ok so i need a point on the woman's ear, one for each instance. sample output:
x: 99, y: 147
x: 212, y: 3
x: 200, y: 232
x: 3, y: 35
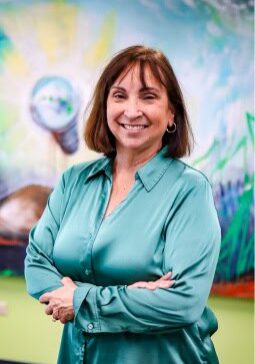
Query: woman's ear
x: 170, y: 117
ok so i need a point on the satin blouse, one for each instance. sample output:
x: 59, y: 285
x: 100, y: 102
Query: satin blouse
x: 167, y: 222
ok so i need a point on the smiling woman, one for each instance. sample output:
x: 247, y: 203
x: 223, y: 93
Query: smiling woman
x: 139, y: 79
x: 125, y: 252
x: 138, y: 115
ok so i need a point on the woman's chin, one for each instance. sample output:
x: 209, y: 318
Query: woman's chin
x: 136, y: 145
x: 132, y: 147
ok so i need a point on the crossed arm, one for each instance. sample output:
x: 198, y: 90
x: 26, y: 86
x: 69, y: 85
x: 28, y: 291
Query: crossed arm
x: 143, y: 306
x: 60, y: 301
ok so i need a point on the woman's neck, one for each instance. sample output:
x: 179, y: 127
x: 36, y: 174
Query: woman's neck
x: 132, y: 160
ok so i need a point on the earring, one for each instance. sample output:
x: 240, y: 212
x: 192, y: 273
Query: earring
x: 169, y: 131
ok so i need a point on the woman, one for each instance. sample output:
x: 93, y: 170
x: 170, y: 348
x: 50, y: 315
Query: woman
x: 116, y: 229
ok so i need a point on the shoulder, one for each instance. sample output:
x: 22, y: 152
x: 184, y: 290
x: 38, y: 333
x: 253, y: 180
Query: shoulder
x: 82, y: 170
x: 192, y: 191
x: 190, y: 175
x: 189, y: 179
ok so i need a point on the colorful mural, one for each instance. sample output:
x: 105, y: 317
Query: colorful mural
x: 51, y: 53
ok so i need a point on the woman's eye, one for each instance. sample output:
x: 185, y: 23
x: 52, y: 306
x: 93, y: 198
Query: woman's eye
x: 118, y: 95
x: 149, y: 96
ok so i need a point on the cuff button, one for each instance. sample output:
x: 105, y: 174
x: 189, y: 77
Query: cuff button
x: 90, y: 326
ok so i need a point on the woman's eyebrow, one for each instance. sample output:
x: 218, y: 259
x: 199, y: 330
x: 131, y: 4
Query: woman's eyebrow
x: 142, y: 89
x: 147, y: 88
x: 118, y: 88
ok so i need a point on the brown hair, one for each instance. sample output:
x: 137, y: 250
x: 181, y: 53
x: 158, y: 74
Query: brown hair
x: 97, y: 134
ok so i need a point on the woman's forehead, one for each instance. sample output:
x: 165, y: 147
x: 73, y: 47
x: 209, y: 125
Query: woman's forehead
x: 135, y: 71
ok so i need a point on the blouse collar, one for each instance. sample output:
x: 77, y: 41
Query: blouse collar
x: 149, y: 174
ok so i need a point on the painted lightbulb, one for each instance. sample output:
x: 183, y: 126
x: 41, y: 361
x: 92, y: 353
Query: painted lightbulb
x: 55, y: 107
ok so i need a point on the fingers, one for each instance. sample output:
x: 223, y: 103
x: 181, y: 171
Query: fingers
x: 49, y: 296
x: 152, y: 286
x: 163, y: 282
x: 51, y: 307
x: 166, y: 284
x: 57, y: 301
x: 67, y: 281
x: 159, y: 284
x: 65, y: 318
x: 166, y: 276
x: 60, y: 314
x: 65, y: 315
x: 45, y: 298
x: 140, y: 284
x: 55, y: 314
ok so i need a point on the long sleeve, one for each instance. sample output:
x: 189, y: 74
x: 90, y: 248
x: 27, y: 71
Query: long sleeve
x: 192, y: 243
x: 40, y: 272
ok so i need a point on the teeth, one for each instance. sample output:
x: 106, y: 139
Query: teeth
x: 133, y: 127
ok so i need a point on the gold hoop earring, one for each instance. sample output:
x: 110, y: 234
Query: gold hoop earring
x: 169, y: 131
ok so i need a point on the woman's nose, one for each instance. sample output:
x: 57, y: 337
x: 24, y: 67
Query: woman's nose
x: 132, y: 109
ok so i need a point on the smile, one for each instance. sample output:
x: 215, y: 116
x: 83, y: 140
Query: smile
x: 133, y: 127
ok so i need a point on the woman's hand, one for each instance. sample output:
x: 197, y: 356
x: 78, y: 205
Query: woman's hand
x: 163, y: 282
x: 60, y: 301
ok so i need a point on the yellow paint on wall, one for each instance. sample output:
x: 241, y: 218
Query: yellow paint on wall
x: 15, y: 63
x: 55, y: 29
x: 101, y: 47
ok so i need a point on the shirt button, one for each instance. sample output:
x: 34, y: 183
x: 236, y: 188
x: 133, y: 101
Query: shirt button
x: 90, y: 326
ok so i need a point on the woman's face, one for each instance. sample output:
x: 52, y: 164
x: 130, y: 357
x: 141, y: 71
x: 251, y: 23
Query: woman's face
x: 138, y: 116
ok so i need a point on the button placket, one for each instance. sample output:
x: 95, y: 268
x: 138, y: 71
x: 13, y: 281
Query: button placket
x: 92, y: 237
x: 87, y: 267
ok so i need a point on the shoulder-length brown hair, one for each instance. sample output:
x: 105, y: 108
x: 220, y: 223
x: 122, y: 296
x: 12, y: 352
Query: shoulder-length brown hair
x: 97, y: 134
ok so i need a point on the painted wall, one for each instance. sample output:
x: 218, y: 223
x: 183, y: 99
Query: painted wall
x: 51, y: 53
x: 26, y: 334
x: 210, y: 44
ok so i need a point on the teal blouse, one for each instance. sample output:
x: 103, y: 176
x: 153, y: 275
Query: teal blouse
x: 167, y: 222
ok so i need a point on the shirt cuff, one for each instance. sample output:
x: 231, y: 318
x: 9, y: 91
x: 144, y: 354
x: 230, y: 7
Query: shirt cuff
x: 85, y: 310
